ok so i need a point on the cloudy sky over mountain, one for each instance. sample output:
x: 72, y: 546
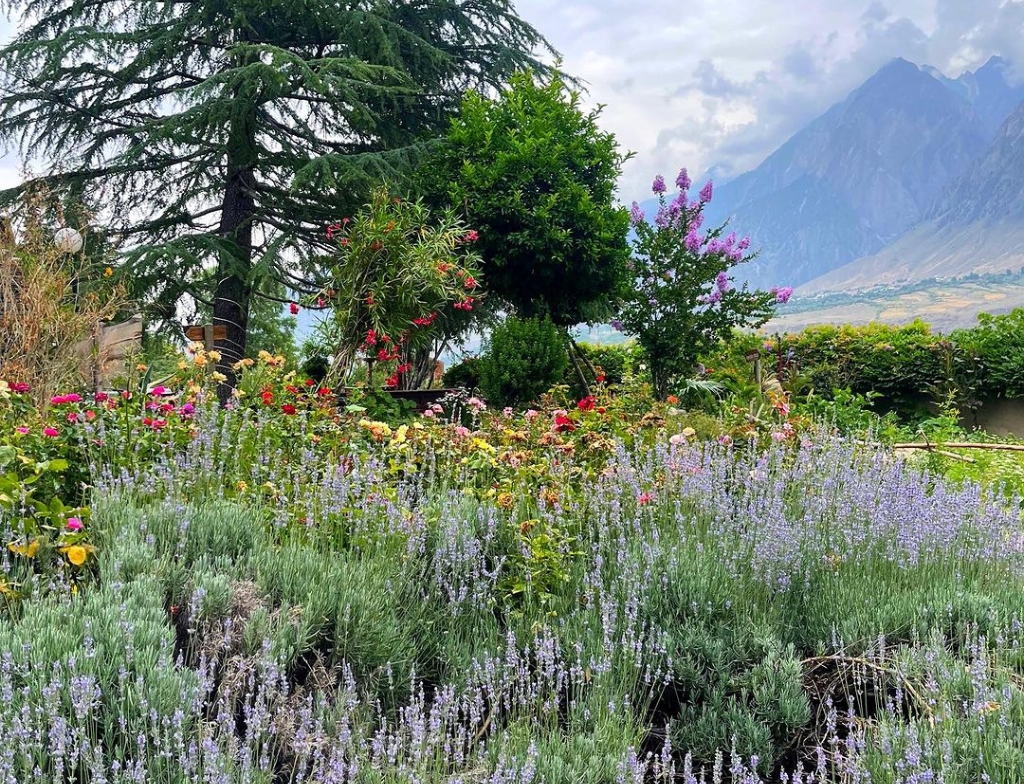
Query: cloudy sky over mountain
x: 723, y: 82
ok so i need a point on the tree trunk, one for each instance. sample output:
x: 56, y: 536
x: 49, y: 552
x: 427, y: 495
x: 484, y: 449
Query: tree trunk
x: 234, y: 285
x: 231, y: 299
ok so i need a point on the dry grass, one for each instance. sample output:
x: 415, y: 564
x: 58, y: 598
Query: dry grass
x: 45, y: 329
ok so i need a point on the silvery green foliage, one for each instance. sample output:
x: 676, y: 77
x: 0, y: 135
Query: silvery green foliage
x: 827, y: 610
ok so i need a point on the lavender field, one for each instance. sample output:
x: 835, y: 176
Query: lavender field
x: 385, y: 612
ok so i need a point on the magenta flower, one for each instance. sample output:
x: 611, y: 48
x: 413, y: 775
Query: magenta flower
x: 783, y: 294
x: 693, y: 240
x: 50, y: 432
x: 22, y: 430
x: 74, y: 524
x: 683, y: 180
x: 659, y: 184
x: 636, y: 215
x: 158, y: 391
x: 722, y: 281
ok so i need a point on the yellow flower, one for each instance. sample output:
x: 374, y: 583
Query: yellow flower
x: 196, y: 347
x: 400, y: 434
x: 218, y: 377
x: 28, y: 550
x: 183, y: 365
x: 505, y: 500
x: 200, y: 360
x: 76, y: 554
x: 483, y: 446
x: 108, y: 272
x: 141, y: 367
x: 241, y: 486
x: 689, y: 432
x: 214, y: 355
x: 264, y: 356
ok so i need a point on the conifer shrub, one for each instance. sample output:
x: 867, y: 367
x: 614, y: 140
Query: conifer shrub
x: 524, y: 358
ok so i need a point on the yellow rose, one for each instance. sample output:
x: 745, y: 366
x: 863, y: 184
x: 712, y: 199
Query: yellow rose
x: 76, y: 554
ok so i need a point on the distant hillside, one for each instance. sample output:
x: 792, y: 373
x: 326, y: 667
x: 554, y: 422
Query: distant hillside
x: 866, y: 171
x: 975, y: 225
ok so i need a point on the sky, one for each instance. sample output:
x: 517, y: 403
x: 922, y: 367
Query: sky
x: 719, y: 84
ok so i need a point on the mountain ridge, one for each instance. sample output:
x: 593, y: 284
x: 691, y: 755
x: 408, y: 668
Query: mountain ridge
x: 866, y: 171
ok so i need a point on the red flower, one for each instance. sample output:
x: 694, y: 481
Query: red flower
x: 324, y: 391
x: 291, y: 389
x: 600, y: 377
x: 587, y: 403
x: 644, y: 499
x: 470, y: 282
x: 267, y: 396
x: 310, y: 382
x: 470, y: 236
x: 563, y: 424
x: 288, y: 408
x: 293, y: 308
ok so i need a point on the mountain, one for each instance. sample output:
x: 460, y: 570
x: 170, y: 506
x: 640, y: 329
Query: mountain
x: 976, y: 225
x: 864, y: 172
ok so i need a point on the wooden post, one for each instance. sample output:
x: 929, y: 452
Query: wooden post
x: 208, y: 337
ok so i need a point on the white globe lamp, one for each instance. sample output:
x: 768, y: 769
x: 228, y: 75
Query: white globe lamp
x: 68, y: 240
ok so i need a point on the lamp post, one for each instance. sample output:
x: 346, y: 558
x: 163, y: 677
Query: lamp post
x: 69, y: 242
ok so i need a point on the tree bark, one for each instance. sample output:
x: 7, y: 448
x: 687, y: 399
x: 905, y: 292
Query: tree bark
x: 234, y: 286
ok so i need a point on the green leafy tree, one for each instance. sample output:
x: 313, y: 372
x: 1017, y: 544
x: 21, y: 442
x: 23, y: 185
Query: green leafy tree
x: 684, y: 301
x: 535, y: 175
x: 223, y: 136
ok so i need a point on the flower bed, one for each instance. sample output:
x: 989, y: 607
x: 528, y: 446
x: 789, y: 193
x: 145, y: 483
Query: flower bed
x: 291, y: 591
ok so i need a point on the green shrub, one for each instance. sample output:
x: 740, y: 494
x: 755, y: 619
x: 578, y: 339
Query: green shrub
x: 465, y: 374
x: 524, y: 358
x: 992, y: 354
